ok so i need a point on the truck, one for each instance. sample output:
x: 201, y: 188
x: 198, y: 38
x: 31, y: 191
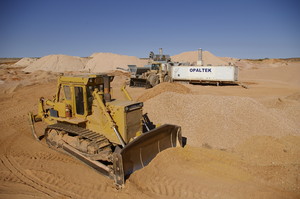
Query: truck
x: 155, y: 72
x: 150, y: 75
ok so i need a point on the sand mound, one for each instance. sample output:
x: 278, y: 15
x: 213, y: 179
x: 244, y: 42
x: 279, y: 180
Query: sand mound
x: 260, y: 63
x: 204, y: 173
x: 17, y: 80
x: 218, y: 121
x: 57, y: 63
x: 229, y: 59
x: 295, y: 96
x: 287, y: 74
x: 192, y: 57
x: 26, y: 61
x: 266, y: 150
x: 161, y: 88
x: 103, y: 62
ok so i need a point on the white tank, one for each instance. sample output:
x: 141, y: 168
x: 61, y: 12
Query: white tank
x: 205, y: 73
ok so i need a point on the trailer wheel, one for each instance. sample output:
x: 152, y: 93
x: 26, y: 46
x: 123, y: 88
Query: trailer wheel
x: 167, y: 78
x: 131, y: 83
x: 153, y: 79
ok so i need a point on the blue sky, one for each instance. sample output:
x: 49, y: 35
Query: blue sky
x: 232, y: 28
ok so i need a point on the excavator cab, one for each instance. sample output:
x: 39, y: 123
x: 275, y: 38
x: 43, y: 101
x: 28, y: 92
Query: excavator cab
x: 113, y: 136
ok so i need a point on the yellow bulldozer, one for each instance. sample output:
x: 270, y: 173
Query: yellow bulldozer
x: 112, y: 136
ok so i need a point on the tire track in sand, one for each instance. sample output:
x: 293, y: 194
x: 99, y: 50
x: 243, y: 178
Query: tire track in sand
x: 29, y: 168
x: 29, y: 179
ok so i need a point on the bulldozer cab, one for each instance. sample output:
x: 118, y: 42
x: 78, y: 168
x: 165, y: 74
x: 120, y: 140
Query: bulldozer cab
x: 67, y: 97
x: 74, y: 94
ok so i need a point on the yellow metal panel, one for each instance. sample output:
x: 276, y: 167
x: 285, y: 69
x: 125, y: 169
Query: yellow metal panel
x: 134, y: 123
x: 129, y: 123
x: 98, y: 122
x: 61, y: 108
x: 64, y: 79
x: 70, y: 120
x: 118, y: 115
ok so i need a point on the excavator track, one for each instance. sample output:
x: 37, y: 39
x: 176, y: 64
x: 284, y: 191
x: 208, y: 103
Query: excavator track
x: 93, y: 160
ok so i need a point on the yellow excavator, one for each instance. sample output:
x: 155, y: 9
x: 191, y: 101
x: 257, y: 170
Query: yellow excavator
x: 110, y: 135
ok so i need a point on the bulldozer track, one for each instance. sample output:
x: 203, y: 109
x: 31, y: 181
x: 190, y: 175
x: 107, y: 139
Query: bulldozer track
x: 104, y: 152
x: 94, y: 138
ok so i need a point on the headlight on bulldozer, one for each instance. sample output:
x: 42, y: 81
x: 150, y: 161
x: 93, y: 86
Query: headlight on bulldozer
x: 134, y: 107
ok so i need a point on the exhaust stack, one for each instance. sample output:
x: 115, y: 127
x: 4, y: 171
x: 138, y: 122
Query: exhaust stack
x: 160, y: 51
x: 106, y: 81
x: 199, y: 62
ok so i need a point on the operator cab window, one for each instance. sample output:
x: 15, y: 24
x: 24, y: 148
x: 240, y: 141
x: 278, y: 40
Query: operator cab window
x: 90, y: 98
x: 64, y: 93
x: 79, y: 100
x: 155, y: 67
x: 67, y: 92
x: 61, y: 96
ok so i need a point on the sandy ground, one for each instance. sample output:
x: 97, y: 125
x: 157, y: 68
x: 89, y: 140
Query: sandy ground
x: 241, y: 143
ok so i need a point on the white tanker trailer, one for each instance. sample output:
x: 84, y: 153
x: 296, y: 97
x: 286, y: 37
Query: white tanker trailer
x: 205, y: 74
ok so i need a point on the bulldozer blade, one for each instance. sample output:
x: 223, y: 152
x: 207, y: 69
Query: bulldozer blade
x: 138, y: 153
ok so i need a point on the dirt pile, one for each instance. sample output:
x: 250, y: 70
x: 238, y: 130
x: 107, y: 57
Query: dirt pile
x: 261, y: 63
x: 192, y: 57
x: 287, y: 74
x: 218, y: 121
x: 24, y: 62
x: 103, y: 62
x: 57, y: 63
x: 229, y: 59
x: 14, y: 78
x: 267, y: 62
x: 284, y: 150
x: 161, y: 88
x: 223, y: 175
